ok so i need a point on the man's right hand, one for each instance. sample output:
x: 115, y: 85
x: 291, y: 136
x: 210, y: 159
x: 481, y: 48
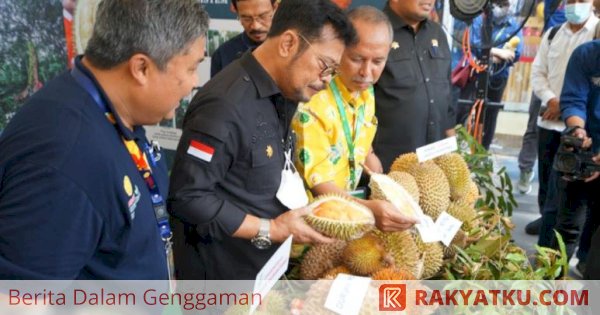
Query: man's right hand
x: 292, y: 223
x: 387, y: 217
x: 553, y: 110
x: 582, y: 134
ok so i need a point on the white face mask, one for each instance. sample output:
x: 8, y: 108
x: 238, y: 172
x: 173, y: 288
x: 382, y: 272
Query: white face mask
x: 578, y: 13
x: 291, y: 192
x: 499, y: 12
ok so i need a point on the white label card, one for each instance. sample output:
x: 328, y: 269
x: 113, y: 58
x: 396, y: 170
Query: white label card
x: 347, y: 294
x: 427, y: 229
x: 447, y: 226
x: 439, y: 148
x: 272, y: 271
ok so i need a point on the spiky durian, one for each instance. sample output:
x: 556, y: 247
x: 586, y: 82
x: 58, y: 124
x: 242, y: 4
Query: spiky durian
x: 393, y: 274
x: 339, y: 217
x: 465, y: 213
x: 365, y: 255
x: 321, y: 258
x: 402, y: 248
x: 432, y: 256
x: 433, y: 188
x: 404, y: 162
x: 457, y: 172
x: 408, y: 182
x: 332, y: 273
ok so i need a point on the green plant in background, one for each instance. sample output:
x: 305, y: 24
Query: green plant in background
x: 495, y: 185
x: 492, y: 255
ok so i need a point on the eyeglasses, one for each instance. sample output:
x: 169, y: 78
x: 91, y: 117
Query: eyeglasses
x: 330, y: 69
x: 263, y: 19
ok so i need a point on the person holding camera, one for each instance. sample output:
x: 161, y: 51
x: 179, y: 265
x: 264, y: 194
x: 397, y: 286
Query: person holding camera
x: 580, y: 109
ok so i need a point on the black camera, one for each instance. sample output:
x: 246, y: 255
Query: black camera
x: 572, y: 160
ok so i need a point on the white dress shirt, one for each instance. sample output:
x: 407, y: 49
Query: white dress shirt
x: 550, y: 63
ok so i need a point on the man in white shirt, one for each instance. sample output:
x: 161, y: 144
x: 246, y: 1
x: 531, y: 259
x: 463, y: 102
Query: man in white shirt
x: 547, y: 76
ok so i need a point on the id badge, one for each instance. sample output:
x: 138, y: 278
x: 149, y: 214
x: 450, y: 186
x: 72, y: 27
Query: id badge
x: 360, y: 193
x: 291, y: 192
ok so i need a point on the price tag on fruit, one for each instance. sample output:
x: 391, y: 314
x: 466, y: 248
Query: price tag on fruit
x: 272, y: 271
x: 347, y: 294
x: 436, y: 149
x: 447, y: 227
x: 427, y: 229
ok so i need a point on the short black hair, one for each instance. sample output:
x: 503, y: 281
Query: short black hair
x: 308, y: 17
x: 234, y: 2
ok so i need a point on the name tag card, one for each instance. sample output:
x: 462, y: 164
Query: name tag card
x: 447, y: 227
x: 347, y: 294
x: 439, y: 148
x: 272, y: 271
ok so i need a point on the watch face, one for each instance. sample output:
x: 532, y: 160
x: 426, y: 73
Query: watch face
x: 261, y: 242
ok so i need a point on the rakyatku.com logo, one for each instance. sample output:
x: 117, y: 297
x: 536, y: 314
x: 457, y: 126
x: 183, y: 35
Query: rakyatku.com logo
x: 392, y: 297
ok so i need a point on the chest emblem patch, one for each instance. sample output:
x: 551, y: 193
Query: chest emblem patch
x: 269, y: 151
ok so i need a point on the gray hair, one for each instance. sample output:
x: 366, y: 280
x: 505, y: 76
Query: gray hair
x: 160, y: 29
x: 371, y: 15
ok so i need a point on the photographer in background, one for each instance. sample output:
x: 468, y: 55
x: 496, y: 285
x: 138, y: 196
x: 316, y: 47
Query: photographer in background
x: 580, y: 109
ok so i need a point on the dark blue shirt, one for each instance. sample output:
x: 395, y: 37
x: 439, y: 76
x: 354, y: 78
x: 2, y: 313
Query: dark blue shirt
x: 72, y: 202
x: 580, y: 94
x: 501, y: 33
x: 230, y: 51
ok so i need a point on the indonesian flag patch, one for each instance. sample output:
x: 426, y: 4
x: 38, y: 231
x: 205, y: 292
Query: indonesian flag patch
x: 201, y: 150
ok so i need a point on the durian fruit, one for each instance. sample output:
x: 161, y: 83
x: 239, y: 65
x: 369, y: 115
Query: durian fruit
x: 393, y: 274
x: 408, y: 182
x: 402, y: 248
x: 314, y: 303
x: 472, y: 195
x: 385, y: 188
x: 433, y: 187
x: 432, y: 256
x: 459, y: 240
x: 339, y: 217
x: 457, y: 172
x: 320, y: 258
x: 365, y: 255
x: 465, y: 213
x: 332, y: 273
x: 274, y: 303
x: 404, y: 162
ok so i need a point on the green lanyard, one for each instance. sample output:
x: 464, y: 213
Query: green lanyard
x: 346, y: 125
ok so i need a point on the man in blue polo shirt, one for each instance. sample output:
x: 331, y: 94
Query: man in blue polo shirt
x: 255, y: 17
x: 81, y: 189
x: 580, y: 109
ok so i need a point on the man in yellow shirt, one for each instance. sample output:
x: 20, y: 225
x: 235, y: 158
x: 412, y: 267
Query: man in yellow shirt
x: 335, y: 129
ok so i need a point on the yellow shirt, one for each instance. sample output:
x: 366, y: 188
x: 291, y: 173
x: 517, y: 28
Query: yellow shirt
x: 322, y: 153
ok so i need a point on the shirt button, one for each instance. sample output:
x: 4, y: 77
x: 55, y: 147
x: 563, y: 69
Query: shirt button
x: 431, y: 123
x: 246, y: 78
x: 426, y: 79
x: 421, y: 58
x: 431, y: 101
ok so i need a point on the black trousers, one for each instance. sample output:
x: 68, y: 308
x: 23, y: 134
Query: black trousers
x: 495, y: 90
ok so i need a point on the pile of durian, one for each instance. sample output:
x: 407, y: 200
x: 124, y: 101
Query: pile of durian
x: 432, y: 187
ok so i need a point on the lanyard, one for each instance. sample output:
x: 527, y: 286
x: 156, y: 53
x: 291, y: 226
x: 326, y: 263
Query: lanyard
x: 139, y: 157
x: 346, y: 126
x: 497, y: 37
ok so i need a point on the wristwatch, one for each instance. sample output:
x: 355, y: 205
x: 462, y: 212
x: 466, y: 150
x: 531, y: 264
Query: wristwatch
x: 262, y: 240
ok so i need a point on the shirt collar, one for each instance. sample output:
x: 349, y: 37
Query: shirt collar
x: 138, y: 131
x: 398, y: 22
x: 250, y: 44
x: 263, y: 82
x: 351, y: 98
x: 590, y: 25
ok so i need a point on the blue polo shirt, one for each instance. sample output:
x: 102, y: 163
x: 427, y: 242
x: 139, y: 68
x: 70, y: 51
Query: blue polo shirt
x: 229, y: 51
x: 72, y: 203
x: 580, y: 94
